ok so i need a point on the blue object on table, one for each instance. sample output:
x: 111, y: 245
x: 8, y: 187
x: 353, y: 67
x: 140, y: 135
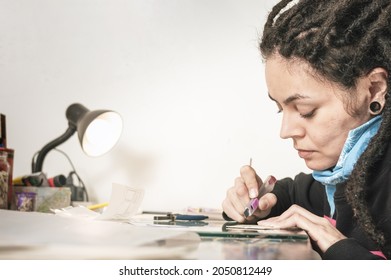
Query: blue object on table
x: 181, y: 217
x: 190, y: 217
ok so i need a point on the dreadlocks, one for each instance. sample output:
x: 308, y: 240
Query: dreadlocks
x: 342, y: 40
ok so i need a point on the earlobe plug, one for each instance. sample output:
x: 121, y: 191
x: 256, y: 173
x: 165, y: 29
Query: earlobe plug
x: 375, y: 107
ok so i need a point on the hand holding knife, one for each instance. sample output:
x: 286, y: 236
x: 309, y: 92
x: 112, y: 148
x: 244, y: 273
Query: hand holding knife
x: 266, y: 187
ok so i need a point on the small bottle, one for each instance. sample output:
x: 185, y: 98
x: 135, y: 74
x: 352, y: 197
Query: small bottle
x: 4, y: 176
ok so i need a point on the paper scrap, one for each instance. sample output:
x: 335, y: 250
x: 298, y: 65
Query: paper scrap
x: 124, y: 203
x: 76, y: 212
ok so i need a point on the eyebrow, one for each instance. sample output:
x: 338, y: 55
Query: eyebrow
x: 291, y: 98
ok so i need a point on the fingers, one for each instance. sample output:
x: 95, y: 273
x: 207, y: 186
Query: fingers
x: 251, y: 180
x: 240, y: 188
x: 265, y: 205
x: 238, y: 197
x: 236, y: 200
x: 294, y: 216
x: 295, y: 211
x: 267, y: 201
x: 229, y: 209
x: 318, y: 228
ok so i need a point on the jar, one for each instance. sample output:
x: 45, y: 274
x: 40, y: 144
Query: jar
x: 4, y: 177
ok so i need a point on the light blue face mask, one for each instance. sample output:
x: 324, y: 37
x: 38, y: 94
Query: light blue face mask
x: 355, y: 144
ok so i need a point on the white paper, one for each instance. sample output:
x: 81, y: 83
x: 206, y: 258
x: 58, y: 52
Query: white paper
x: 124, y: 203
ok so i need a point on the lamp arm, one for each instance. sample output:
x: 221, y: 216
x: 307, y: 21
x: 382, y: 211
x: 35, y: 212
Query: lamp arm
x: 37, y: 165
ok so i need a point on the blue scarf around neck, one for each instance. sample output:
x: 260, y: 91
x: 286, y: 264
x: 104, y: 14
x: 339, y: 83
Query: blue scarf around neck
x: 355, y: 144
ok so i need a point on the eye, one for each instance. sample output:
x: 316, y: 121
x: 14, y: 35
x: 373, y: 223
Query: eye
x: 309, y: 114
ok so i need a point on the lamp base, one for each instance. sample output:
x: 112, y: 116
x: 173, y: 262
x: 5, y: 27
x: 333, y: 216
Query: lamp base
x: 77, y: 193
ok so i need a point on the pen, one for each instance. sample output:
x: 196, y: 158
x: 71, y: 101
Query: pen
x: 266, y: 187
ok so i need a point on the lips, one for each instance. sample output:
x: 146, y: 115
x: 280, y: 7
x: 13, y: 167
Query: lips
x: 305, y: 154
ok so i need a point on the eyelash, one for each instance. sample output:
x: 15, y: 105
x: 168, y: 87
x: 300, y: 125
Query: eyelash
x: 308, y: 115
x: 304, y: 116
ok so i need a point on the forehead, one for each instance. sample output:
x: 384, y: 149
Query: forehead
x: 294, y: 77
x: 276, y: 64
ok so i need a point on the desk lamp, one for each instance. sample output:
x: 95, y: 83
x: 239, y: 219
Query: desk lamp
x: 98, y: 132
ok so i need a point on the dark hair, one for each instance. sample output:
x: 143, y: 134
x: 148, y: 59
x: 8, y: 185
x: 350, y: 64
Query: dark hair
x: 341, y: 40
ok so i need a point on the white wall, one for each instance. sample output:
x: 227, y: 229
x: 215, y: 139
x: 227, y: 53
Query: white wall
x: 185, y: 75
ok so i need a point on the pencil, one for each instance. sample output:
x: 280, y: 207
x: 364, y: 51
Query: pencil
x: 98, y: 206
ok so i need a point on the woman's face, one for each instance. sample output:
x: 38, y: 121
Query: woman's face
x: 313, y: 114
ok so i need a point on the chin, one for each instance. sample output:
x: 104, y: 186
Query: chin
x: 317, y: 166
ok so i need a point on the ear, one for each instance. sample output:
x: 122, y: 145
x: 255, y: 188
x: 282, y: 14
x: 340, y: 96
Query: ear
x: 378, y: 86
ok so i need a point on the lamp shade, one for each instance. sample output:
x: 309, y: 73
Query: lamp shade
x: 98, y: 131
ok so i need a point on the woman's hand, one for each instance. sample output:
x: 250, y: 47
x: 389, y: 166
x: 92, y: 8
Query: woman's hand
x: 246, y: 187
x: 319, y: 229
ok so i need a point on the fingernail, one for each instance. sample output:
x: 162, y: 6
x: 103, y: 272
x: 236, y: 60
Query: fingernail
x: 265, y: 223
x: 253, y: 193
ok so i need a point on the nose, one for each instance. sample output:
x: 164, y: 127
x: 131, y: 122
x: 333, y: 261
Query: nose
x: 291, y: 127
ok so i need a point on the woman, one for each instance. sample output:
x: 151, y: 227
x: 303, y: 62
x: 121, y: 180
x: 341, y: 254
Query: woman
x: 327, y: 66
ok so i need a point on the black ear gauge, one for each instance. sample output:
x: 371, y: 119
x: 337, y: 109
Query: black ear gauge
x: 375, y: 107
